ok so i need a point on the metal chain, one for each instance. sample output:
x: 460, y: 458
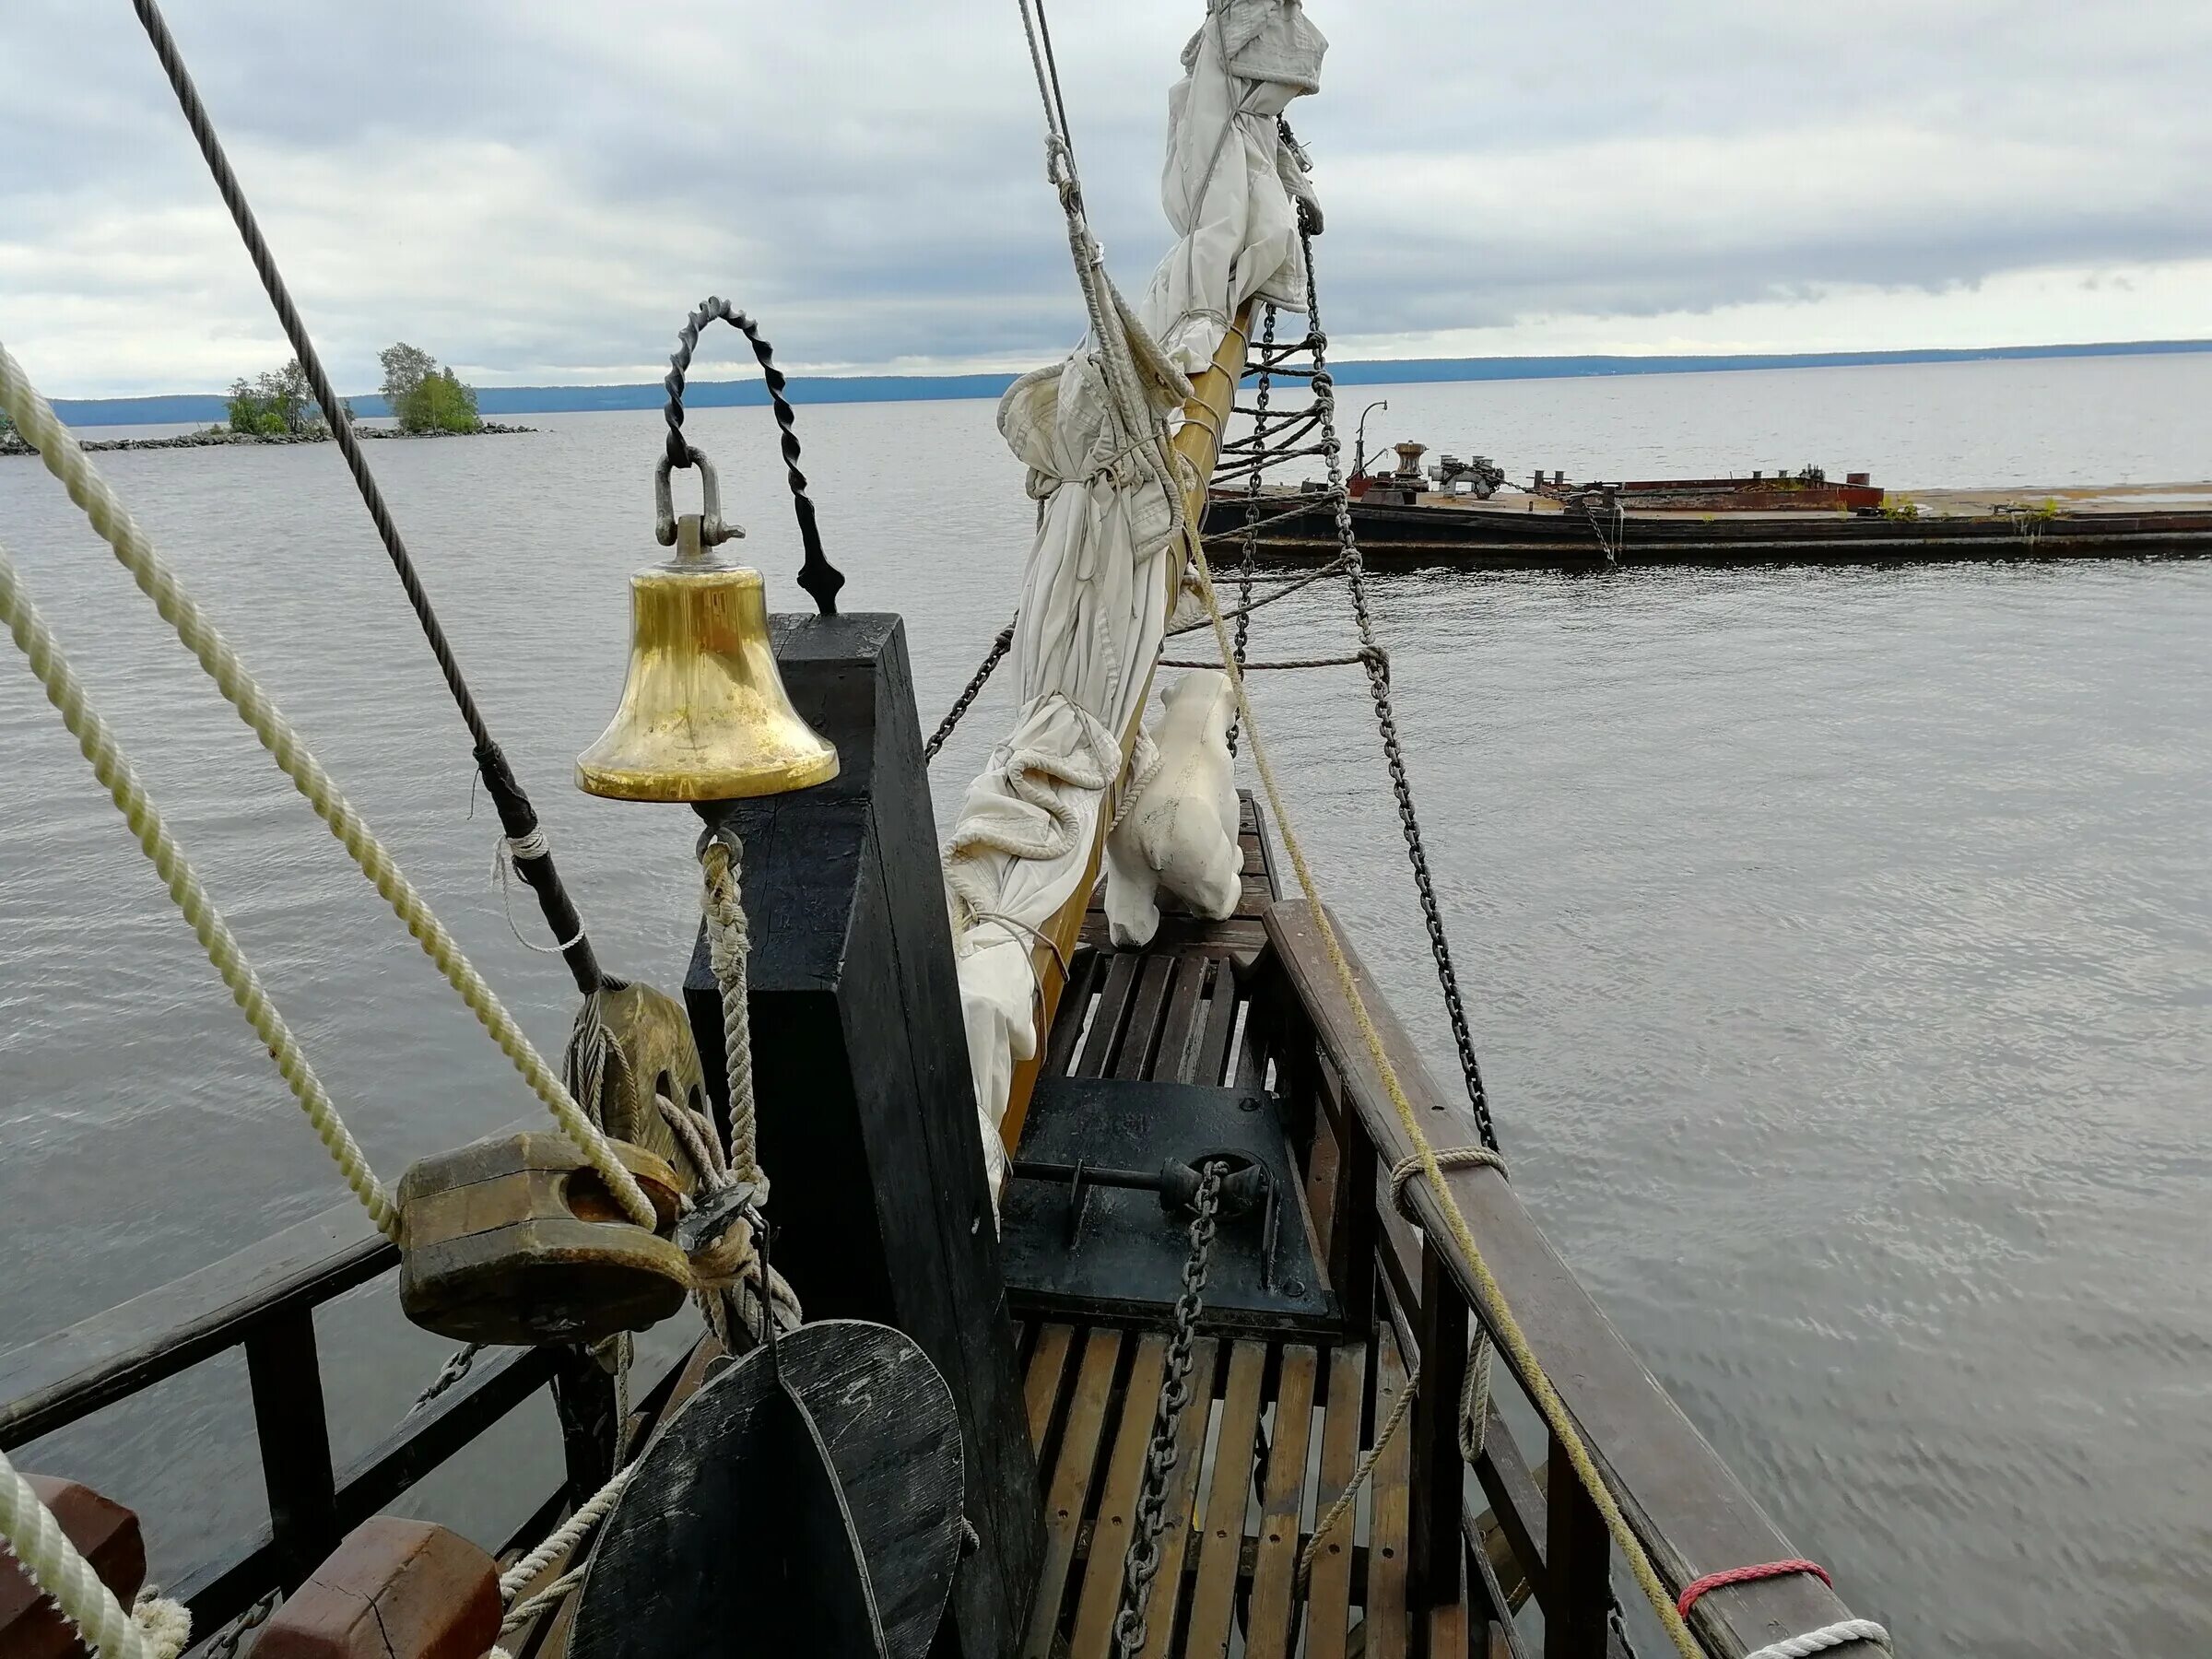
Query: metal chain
x: 999, y: 647
x: 1143, y: 1564
x: 1378, y: 681
x: 817, y: 575
x: 224, y: 1644
x: 1252, y: 498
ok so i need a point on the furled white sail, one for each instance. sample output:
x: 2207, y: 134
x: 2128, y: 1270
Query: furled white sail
x: 1092, y: 431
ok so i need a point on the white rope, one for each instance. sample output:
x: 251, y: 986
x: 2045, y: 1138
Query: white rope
x: 522, y: 1612
x: 62, y: 456
x: 505, y: 854
x: 564, y: 1538
x: 97, y: 744
x: 164, y: 1624
x: 1841, y: 1634
x: 30, y: 1531
x: 728, y: 944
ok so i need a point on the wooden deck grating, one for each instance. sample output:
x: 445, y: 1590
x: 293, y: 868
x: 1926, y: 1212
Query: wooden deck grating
x: 1276, y: 1427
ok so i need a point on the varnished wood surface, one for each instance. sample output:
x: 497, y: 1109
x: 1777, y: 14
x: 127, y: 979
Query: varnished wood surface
x: 1276, y: 1427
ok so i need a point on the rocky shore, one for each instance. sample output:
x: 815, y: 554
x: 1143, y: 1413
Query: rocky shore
x: 215, y: 437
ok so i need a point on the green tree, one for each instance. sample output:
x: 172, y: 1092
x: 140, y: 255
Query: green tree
x: 406, y: 368
x: 274, y: 405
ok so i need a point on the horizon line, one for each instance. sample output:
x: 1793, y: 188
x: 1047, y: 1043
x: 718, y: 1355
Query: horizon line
x: 168, y: 408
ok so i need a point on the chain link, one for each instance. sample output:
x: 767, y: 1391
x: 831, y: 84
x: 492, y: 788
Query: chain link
x: 1378, y: 681
x: 1250, y: 546
x: 999, y: 647
x: 1151, y: 1518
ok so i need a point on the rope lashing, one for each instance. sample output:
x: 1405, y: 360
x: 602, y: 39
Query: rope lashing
x: 1350, y: 1495
x: 65, y: 459
x: 96, y: 743
x: 1354, y: 660
x: 1748, y: 1575
x: 54, y: 1564
x: 1403, y: 1173
x: 1843, y: 1633
x: 512, y: 852
x: 1497, y: 1310
x: 516, y: 813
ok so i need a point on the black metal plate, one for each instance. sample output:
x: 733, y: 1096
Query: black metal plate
x: 1128, y: 1258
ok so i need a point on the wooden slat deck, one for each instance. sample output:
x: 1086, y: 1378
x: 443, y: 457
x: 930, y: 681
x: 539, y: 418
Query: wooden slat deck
x: 1276, y: 1427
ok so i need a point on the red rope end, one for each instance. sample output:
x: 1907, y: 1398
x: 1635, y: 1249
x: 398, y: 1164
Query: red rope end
x: 1747, y: 1575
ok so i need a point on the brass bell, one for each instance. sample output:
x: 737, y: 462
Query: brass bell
x: 704, y: 715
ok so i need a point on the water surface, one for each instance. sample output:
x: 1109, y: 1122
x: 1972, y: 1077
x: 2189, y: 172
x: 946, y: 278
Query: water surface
x: 1839, y: 943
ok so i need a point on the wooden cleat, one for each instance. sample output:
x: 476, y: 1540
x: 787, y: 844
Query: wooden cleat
x: 105, y: 1533
x: 395, y: 1589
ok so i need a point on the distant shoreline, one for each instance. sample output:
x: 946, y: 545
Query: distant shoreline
x: 182, y: 407
x: 12, y: 445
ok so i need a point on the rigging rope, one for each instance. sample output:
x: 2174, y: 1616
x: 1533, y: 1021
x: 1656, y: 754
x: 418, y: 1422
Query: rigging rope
x: 65, y: 459
x: 55, y: 1565
x: 516, y: 813
x: 1494, y: 1310
x: 96, y: 742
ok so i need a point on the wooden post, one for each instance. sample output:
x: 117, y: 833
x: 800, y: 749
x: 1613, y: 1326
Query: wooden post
x: 1213, y: 393
x: 1439, y: 1474
x: 867, y: 1123
x: 1578, y: 1564
x: 286, y: 1380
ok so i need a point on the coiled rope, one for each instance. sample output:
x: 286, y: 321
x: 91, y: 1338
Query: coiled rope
x: 1496, y: 1312
x: 65, y: 459
x: 96, y: 743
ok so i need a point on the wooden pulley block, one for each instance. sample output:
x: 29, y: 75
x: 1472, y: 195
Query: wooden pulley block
x: 105, y: 1533
x: 806, y: 1500
x: 518, y: 1240
x: 395, y: 1589
x: 650, y: 1053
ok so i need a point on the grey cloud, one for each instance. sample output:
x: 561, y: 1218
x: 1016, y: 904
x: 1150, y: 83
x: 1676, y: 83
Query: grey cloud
x: 536, y: 190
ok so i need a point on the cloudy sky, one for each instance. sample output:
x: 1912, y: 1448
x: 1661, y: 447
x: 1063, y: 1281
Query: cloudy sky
x: 537, y: 190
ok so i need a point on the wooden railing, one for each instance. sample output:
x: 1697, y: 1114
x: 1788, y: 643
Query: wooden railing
x: 263, y: 1299
x: 1688, y: 1510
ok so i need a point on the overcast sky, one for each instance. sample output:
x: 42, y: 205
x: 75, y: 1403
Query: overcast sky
x: 538, y: 191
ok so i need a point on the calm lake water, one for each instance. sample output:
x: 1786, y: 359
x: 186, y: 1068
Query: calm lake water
x: 1838, y: 942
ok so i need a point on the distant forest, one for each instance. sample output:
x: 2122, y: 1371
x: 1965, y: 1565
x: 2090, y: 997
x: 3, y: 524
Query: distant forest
x: 184, y: 408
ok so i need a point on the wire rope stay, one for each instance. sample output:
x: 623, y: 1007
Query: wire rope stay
x: 518, y: 817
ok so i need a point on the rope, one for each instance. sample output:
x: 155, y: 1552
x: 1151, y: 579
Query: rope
x: 1350, y: 1495
x: 511, y: 850
x: 515, y: 810
x: 1747, y: 1575
x: 1497, y: 1312
x: 1841, y: 1634
x: 29, y: 1528
x: 164, y: 1623
x: 97, y: 745
x: 727, y: 945
x: 1447, y: 1158
x: 522, y: 1612
x: 62, y: 456
x: 1333, y: 568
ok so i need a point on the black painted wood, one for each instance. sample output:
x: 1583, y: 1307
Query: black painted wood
x: 808, y: 1501
x: 287, y: 1383
x: 1439, y: 1474
x: 868, y: 1128
x: 1578, y: 1570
